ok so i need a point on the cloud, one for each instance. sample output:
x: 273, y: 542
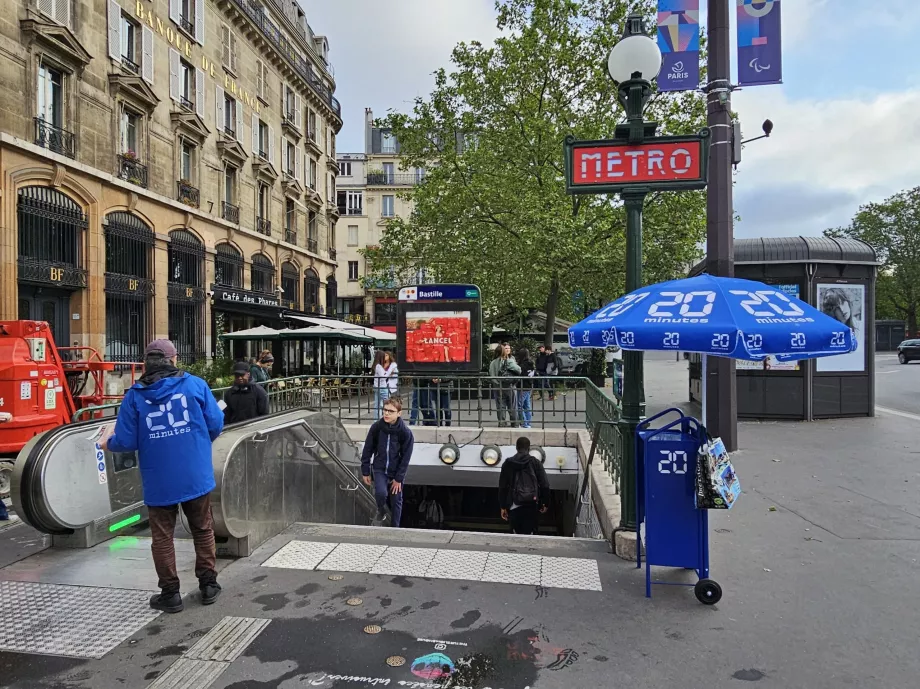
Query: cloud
x: 385, y: 54
x: 791, y: 210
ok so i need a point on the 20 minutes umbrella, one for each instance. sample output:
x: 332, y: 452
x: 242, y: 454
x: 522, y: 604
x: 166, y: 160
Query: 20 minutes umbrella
x: 730, y: 317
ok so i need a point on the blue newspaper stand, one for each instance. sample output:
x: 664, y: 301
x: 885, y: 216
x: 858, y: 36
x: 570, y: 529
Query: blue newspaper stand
x: 676, y: 532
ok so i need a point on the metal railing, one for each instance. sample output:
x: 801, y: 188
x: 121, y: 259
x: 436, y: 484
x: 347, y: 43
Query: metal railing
x: 131, y: 170
x: 187, y: 25
x: 264, y: 226
x: 333, y: 253
x: 230, y: 212
x: 395, y: 179
x: 601, y: 418
x: 311, y: 245
x: 188, y: 194
x: 186, y: 103
x: 129, y: 64
x: 54, y: 138
x: 230, y: 133
x: 290, y: 235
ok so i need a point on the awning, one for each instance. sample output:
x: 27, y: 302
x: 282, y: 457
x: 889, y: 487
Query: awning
x: 372, y: 333
x: 314, y: 332
x: 260, y: 332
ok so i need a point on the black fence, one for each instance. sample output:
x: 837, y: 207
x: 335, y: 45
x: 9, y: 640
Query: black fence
x: 54, y: 138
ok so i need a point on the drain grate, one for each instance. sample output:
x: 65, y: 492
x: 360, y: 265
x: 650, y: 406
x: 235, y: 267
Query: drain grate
x: 227, y: 639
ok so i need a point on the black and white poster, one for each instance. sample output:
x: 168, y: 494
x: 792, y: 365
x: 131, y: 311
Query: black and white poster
x: 846, y: 304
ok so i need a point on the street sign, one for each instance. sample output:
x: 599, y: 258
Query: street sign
x: 663, y: 163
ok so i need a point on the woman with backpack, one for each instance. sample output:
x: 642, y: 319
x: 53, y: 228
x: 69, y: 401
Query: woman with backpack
x: 523, y: 490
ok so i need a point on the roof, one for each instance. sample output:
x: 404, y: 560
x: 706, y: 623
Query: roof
x: 762, y: 250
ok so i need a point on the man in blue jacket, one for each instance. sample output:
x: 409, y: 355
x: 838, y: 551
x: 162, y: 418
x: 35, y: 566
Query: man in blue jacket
x: 171, y: 418
x: 389, y: 443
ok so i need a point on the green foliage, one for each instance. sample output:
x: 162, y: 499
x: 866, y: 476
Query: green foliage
x: 494, y: 211
x: 892, y: 227
x: 216, y: 373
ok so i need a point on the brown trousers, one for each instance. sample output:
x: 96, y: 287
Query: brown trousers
x: 162, y: 529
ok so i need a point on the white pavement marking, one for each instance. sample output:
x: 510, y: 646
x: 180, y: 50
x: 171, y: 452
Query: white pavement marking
x: 436, y: 563
x: 898, y: 412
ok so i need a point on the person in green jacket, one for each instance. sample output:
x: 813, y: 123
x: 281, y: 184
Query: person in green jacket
x: 503, y: 369
x: 260, y: 371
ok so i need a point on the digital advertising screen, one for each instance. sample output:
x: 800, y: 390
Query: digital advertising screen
x: 439, y: 329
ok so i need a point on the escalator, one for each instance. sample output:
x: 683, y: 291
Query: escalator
x: 270, y: 472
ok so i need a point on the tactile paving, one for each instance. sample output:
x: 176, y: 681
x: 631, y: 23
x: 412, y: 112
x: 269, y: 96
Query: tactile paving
x: 227, y: 639
x: 300, y: 555
x: 186, y: 673
x: 458, y: 564
x: 353, y: 557
x: 405, y: 562
x: 512, y: 568
x: 570, y: 573
x: 75, y: 621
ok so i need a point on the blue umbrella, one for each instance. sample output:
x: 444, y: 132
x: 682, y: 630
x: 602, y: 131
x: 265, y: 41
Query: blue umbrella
x: 730, y: 317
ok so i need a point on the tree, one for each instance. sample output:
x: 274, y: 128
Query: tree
x: 892, y: 228
x: 492, y: 209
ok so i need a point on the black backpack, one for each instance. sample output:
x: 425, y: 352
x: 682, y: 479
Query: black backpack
x: 525, y: 489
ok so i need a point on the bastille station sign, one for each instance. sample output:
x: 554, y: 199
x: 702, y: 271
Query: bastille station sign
x: 663, y: 163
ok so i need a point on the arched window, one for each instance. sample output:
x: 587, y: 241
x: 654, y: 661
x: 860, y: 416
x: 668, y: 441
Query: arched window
x: 289, y: 283
x: 263, y: 274
x: 311, y: 291
x: 51, y: 229
x: 129, y: 285
x: 332, y: 295
x: 186, y: 294
x: 228, y: 266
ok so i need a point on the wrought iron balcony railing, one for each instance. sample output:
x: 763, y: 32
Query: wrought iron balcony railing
x: 188, y: 194
x: 230, y: 213
x: 131, y: 170
x: 290, y: 236
x: 311, y: 245
x: 186, y: 103
x: 130, y: 65
x: 54, y: 138
x: 230, y: 132
x: 187, y: 25
x: 393, y: 178
x: 333, y: 254
x: 264, y: 226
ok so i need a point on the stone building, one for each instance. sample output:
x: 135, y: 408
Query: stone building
x: 168, y: 169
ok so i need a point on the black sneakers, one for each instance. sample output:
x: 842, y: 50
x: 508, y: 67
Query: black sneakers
x: 167, y: 602
x: 209, y: 593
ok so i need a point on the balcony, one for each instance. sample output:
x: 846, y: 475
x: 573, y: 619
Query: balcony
x: 186, y: 104
x: 230, y: 133
x: 273, y: 35
x: 188, y: 194
x: 290, y: 124
x: 264, y: 226
x: 333, y: 254
x: 230, y: 213
x: 312, y: 245
x: 130, y: 65
x: 131, y: 170
x: 54, y: 138
x: 290, y: 235
x: 404, y: 179
x: 187, y: 25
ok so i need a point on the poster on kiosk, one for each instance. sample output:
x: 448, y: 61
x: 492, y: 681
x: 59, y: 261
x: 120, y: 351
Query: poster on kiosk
x: 439, y: 328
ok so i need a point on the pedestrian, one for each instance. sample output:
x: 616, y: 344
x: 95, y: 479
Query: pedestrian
x: 386, y: 379
x: 525, y: 408
x: 502, y: 370
x: 244, y: 400
x: 542, y: 359
x: 4, y: 514
x: 553, y: 368
x: 170, y: 418
x: 388, y: 451
x: 523, y: 490
x: 261, y: 371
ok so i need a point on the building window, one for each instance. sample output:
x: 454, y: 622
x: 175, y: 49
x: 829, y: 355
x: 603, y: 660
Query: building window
x: 311, y: 291
x: 186, y: 296
x: 51, y: 95
x: 344, y: 169
x: 51, y: 229
x: 57, y: 10
x: 290, y: 158
x: 352, y: 235
x: 290, y: 222
x: 389, y: 171
x: 263, y: 274
x: 186, y: 15
x: 312, y: 174
x: 129, y: 35
x: 228, y: 266
x: 130, y: 133
x: 385, y: 313
x: 289, y: 287
x: 230, y: 122
x: 261, y: 79
x: 263, y: 139
x: 351, y: 202
x: 230, y: 184
x: 389, y: 206
x: 129, y: 284
x: 419, y: 175
x: 352, y: 271
x: 388, y: 143
x: 311, y: 125
x: 228, y: 47
x: 187, y: 161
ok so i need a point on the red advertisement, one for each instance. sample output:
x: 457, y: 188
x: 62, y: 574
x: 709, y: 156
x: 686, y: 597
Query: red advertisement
x: 438, y: 337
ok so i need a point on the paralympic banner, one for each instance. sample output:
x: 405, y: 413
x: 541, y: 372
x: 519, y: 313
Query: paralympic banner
x: 760, y: 54
x: 679, y: 41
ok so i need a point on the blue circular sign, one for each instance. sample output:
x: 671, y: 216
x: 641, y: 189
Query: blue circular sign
x: 101, y: 466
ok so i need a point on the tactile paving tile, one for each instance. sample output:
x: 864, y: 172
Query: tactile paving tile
x: 512, y: 568
x: 75, y: 621
x: 405, y: 562
x: 352, y: 557
x: 458, y: 564
x: 300, y: 555
x: 186, y: 673
x: 227, y: 639
x: 570, y: 573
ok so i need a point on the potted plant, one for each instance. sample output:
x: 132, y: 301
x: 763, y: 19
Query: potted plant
x: 130, y: 155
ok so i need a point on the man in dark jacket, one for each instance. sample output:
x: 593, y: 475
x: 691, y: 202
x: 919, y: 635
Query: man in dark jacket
x: 523, y: 479
x: 170, y: 418
x: 244, y: 400
x: 388, y: 446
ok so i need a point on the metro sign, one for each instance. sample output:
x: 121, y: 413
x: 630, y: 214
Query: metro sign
x: 664, y: 163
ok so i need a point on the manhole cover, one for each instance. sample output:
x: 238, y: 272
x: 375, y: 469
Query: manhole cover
x: 354, y: 601
x: 396, y: 661
x: 335, y: 577
x: 373, y: 629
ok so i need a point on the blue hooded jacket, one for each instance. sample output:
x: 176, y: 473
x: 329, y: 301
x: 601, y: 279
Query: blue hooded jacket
x: 171, y: 422
x: 389, y: 446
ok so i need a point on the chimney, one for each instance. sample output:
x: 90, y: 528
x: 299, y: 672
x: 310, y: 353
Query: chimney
x: 368, y: 131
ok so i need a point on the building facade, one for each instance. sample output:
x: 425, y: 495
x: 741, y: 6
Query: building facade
x: 370, y: 192
x: 168, y: 170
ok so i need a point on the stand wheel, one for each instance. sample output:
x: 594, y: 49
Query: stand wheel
x: 707, y: 592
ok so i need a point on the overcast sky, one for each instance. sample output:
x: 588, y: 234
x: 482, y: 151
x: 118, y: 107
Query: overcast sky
x: 847, y: 118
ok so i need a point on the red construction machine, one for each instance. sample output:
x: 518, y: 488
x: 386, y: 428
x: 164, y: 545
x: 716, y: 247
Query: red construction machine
x: 42, y: 386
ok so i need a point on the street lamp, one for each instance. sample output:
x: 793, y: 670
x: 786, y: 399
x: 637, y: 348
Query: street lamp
x: 634, y: 61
